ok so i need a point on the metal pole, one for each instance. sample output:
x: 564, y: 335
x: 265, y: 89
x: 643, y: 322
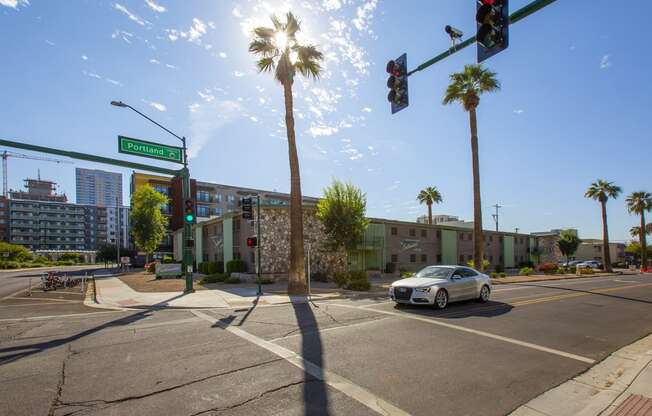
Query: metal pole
x: 187, y: 229
x: 309, y: 297
x: 518, y: 15
x: 117, y: 239
x: 259, y: 263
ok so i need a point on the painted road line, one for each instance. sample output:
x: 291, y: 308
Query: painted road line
x: 335, y: 381
x: 481, y: 333
x: 47, y: 299
x: 589, y: 292
x: 30, y: 304
x: 332, y: 329
x: 72, y: 315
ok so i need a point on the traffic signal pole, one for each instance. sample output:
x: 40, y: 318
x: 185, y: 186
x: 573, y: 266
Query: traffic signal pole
x: 518, y: 15
x: 187, y: 226
x: 259, y: 241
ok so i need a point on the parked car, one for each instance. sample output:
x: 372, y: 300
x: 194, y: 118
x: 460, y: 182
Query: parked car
x: 439, y: 285
x: 591, y: 264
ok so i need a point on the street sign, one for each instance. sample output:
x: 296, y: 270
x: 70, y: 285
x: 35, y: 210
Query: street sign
x: 152, y: 150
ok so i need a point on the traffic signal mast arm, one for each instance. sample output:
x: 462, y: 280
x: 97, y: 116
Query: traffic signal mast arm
x: 518, y: 15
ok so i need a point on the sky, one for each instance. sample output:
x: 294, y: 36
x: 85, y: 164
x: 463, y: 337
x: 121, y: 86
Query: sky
x: 574, y: 104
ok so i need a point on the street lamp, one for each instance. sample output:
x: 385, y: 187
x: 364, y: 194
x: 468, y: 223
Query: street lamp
x: 185, y: 175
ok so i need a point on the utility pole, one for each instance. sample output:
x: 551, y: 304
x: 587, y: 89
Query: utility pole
x: 495, y: 216
x: 117, y: 235
x: 259, y: 240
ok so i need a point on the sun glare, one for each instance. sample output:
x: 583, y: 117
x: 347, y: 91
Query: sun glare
x: 281, y: 40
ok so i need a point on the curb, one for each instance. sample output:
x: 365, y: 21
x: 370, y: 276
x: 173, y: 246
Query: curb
x: 499, y: 281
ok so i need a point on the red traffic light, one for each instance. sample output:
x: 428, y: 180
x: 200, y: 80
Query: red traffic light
x: 252, y: 241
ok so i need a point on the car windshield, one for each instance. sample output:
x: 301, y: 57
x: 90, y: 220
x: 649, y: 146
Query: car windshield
x: 435, y: 272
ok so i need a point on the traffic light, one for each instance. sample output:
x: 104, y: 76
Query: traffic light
x: 247, y: 208
x: 189, y: 211
x: 252, y: 242
x: 492, y: 17
x: 398, y: 83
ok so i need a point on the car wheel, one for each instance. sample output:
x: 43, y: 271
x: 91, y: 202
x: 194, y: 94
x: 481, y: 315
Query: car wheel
x: 441, y: 299
x: 484, y: 294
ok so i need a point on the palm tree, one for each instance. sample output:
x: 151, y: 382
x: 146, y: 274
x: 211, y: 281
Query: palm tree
x: 638, y: 203
x: 466, y: 88
x: 636, y: 230
x: 601, y: 191
x: 279, y: 52
x: 429, y: 196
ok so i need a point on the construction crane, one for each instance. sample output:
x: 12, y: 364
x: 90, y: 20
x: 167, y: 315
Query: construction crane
x: 6, y: 154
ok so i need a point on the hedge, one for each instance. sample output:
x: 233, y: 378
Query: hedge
x: 236, y: 266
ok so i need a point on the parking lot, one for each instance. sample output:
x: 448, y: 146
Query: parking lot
x: 346, y: 356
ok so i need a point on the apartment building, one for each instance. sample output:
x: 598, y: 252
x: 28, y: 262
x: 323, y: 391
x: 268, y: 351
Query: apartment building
x: 98, y: 187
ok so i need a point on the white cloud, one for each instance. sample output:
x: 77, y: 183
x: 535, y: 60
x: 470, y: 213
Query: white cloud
x: 332, y: 4
x: 126, y: 36
x: 129, y: 14
x: 222, y: 54
x: 84, y: 58
x: 236, y: 12
x: 154, y: 61
x: 156, y: 7
x: 254, y: 119
x: 207, y: 119
x: 170, y: 66
x: 14, y: 3
x: 322, y: 130
x: 605, y: 62
x: 49, y: 42
x: 194, y: 34
x: 114, y: 82
x: 519, y: 111
x: 238, y: 74
x: 367, y: 110
x: 207, y: 96
x: 160, y: 107
x: 364, y: 15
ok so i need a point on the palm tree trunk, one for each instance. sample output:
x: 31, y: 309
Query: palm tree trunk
x: 296, y: 276
x: 430, y: 214
x: 478, y: 239
x: 643, y: 242
x: 606, y: 254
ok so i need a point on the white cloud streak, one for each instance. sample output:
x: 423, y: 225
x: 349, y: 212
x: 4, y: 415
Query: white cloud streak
x: 130, y: 15
x: 156, y: 7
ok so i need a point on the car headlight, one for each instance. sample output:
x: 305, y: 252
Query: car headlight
x: 422, y: 289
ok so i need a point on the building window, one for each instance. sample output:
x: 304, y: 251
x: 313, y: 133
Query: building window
x: 461, y: 258
x: 230, y: 199
x: 424, y: 233
x: 438, y: 258
x: 203, y: 211
x: 394, y: 258
x: 413, y: 232
x: 424, y: 258
x: 218, y: 198
x: 413, y: 258
x: 203, y: 196
x: 394, y: 231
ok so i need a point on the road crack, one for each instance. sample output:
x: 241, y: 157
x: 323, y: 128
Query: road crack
x: 108, y: 403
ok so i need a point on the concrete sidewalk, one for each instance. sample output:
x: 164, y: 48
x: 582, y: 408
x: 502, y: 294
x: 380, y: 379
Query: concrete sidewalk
x: 619, y: 385
x: 112, y: 292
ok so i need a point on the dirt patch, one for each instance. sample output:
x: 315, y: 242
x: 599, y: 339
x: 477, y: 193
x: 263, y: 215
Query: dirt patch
x: 146, y: 282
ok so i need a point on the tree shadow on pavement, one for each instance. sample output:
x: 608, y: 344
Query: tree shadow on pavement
x: 22, y: 351
x: 315, y: 393
x: 590, y: 292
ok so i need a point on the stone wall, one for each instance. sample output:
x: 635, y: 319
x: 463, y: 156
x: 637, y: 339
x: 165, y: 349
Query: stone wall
x: 275, y: 230
x: 550, y: 252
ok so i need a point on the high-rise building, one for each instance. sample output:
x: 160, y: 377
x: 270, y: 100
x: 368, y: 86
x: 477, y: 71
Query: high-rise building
x: 98, y: 187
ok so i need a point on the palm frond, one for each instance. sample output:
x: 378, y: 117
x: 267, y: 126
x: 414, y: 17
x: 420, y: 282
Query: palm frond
x: 308, y: 68
x: 264, y: 32
x: 292, y: 26
x: 278, y: 26
x: 263, y: 47
x: 266, y: 64
x: 467, y: 86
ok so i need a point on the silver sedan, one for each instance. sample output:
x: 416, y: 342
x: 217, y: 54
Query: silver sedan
x: 439, y: 285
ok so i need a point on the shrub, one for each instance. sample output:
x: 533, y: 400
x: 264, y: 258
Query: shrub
x: 168, y: 260
x: 526, y: 271
x: 586, y: 270
x: 499, y: 268
x: 405, y: 275
x: 216, y: 267
x: 71, y: 257
x: 485, y: 264
x: 151, y: 267
x: 236, y: 266
x: 341, y: 279
x: 213, y: 278
x: 493, y: 275
x: 502, y: 274
x: 266, y: 281
x: 525, y: 264
x: 319, y: 277
x: 548, y: 268
x: 11, y: 265
x: 390, y: 267
x: 37, y: 265
x: 232, y: 280
x: 64, y: 263
x: 41, y: 259
x: 201, y: 267
x: 357, y: 280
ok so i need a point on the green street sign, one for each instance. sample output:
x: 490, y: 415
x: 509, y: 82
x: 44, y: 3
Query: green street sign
x: 152, y: 150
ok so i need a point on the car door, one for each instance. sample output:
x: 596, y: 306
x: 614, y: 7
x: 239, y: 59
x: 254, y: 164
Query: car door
x: 468, y: 283
x: 456, y: 286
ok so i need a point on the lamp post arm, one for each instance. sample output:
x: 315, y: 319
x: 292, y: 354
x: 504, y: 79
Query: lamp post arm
x: 161, y: 126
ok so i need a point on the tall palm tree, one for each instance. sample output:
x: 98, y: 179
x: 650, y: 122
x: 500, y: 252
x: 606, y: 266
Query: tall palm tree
x: 638, y: 203
x: 601, y: 191
x: 279, y: 52
x: 429, y: 196
x: 466, y: 88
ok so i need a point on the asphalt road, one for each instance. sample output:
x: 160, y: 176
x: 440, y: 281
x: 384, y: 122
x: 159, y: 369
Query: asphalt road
x: 339, y: 357
x: 12, y: 282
